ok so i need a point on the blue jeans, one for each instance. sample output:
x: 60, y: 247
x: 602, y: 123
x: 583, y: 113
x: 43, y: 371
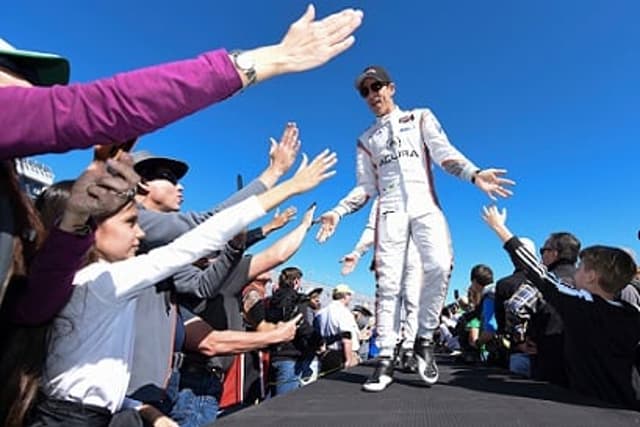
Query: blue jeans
x: 520, y: 363
x: 193, y: 398
x: 286, y: 375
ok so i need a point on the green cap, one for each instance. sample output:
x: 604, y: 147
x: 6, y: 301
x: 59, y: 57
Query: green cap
x: 45, y: 69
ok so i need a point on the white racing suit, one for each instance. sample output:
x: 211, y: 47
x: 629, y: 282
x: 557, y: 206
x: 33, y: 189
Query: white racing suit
x: 406, y: 293
x: 394, y: 161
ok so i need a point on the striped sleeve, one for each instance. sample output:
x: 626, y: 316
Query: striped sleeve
x: 550, y: 286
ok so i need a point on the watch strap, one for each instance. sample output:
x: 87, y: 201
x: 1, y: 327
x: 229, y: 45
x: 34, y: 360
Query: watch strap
x: 249, y: 72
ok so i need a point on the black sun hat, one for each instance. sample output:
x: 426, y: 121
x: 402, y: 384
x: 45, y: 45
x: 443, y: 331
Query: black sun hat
x: 145, y: 164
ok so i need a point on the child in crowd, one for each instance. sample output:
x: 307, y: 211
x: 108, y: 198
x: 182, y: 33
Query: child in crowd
x: 601, y: 332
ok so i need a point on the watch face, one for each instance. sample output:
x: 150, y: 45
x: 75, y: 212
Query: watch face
x: 244, y: 61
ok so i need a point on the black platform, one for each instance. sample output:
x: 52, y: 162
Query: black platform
x: 464, y: 396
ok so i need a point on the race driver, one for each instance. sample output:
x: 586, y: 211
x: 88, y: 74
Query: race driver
x: 394, y: 162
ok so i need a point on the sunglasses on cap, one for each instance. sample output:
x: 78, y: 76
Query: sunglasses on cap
x: 165, y: 174
x: 374, y: 87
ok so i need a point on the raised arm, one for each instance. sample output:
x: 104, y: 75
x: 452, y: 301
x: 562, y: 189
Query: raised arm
x: 130, y: 276
x: 164, y: 227
x: 61, y: 118
x: 283, y: 249
x: 58, y: 119
x: 207, y: 282
x: 357, y: 197
x: 551, y: 288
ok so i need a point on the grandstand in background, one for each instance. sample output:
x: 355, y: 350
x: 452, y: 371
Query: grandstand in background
x: 34, y: 176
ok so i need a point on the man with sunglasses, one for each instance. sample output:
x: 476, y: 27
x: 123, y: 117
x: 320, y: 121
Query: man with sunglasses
x: 394, y: 162
x: 535, y: 325
x: 160, y: 181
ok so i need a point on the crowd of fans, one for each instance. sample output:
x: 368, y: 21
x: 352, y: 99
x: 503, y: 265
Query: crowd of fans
x: 570, y: 318
x: 119, y: 309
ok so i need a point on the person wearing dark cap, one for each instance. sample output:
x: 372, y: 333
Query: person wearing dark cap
x: 212, y: 292
x: 314, y: 305
x: 314, y: 300
x: 394, y: 162
x: 160, y: 181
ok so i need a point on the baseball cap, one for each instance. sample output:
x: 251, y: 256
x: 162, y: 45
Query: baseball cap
x: 373, y: 72
x: 314, y: 291
x: 40, y: 68
x: 362, y: 309
x: 145, y: 163
x: 342, y: 289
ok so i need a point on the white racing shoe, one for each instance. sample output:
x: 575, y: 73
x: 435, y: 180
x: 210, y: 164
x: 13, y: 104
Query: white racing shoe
x: 382, y: 377
x: 427, y: 368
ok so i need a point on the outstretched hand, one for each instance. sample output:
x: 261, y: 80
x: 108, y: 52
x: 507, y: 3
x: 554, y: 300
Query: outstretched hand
x: 309, y: 43
x: 491, y: 181
x: 101, y: 191
x: 494, y: 217
x: 282, y: 155
x: 280, y: 219
x: 328, y: 223
x: 310, y: 175
x: 349, y: 263
x: 497, y: 221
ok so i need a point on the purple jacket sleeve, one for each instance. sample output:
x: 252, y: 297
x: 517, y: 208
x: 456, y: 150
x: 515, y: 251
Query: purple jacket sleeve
x: 50, y: 282
x: 60, y: 118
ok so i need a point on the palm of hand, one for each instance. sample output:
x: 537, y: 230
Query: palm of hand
x: 348, y: 264
x: 283, y: 219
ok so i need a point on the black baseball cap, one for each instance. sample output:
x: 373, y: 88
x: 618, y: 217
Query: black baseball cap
x: 362, y: 309
x: 375, y: 72
x: 145, y: 164
x: 314, y: 291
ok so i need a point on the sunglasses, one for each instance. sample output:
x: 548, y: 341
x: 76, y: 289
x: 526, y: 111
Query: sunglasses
x: 374, y: 87
x: 163, y: 174
x: 544, y: 249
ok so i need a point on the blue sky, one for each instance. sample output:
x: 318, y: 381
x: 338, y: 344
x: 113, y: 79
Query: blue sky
x: 549, y: 90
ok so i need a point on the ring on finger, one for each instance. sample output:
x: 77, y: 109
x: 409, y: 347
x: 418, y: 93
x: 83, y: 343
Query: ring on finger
x: 127, y: 194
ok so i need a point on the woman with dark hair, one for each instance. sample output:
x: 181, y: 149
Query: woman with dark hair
x: 102, y: 189
x: 52, y: 202
x: 39, y: 278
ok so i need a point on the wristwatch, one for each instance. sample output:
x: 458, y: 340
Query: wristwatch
x: 244, y: 62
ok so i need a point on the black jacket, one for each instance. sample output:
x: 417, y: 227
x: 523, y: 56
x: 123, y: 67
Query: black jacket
x: 284, y: 305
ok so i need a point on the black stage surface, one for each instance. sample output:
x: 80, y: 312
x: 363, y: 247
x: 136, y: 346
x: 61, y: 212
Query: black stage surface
x: 464, y: 396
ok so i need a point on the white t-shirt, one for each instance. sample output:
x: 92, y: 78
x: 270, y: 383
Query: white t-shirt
x: 335, y: 319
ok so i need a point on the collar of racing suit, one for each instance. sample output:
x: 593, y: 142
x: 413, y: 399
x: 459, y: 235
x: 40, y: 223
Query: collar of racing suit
x: 384, y: 119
